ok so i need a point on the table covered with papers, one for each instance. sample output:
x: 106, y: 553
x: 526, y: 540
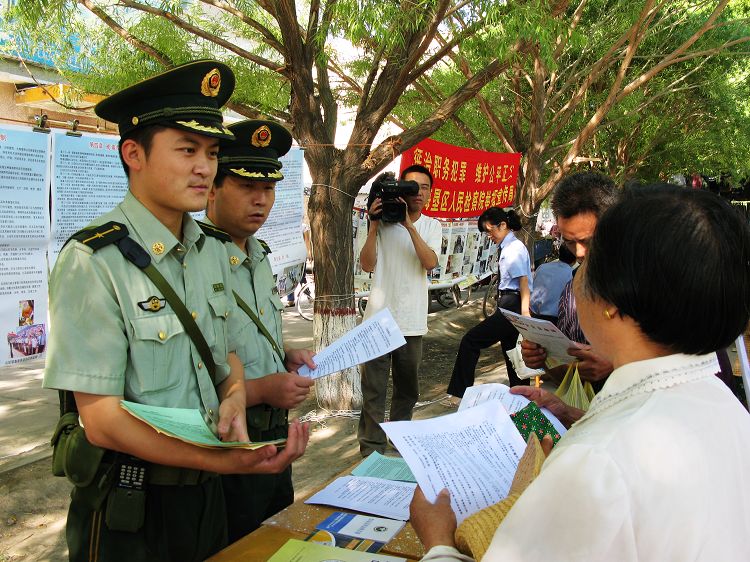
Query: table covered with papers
x: 298, y: 521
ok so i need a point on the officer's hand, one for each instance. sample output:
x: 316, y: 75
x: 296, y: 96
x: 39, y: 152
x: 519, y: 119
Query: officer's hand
x: 533, y: 354
x: 375, y: 209
x: 285, y: 390
x: 295, y: 358
x: 232, y: 421
x: 270, y: 459
x: 591, y: 366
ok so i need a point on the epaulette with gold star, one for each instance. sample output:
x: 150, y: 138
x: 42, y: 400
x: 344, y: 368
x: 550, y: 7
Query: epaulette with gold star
x: 266, y: 247
x: 99, y: 236
x: 210, y: 230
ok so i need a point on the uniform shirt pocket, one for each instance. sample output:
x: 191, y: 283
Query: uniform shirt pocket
x: 160, y: 352
x: 220, y: 309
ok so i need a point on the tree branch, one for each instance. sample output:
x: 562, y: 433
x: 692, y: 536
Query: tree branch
x: 268, y: 37
x: 197, y: 31
x: 129, y: 38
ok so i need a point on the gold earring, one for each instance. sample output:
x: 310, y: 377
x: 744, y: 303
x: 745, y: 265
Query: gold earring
x: 607, y: 314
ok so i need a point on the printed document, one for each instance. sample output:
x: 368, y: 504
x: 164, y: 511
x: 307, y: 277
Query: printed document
x: 386, y: 498
x: 371, y: 339
x: 187, y: 425
x: 546, y: 334
x: 474, y: 453
x: 480, y: 393
x: 380, y: 466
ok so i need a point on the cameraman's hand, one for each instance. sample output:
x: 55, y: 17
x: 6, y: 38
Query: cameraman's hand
x: 375, y: 209
x: 407, y: 220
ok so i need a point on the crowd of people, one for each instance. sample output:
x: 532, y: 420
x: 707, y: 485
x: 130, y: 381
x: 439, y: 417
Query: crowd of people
x: 187, y: 314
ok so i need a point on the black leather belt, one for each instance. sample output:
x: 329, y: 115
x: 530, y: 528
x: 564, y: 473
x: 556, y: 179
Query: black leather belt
x: 509, y: 292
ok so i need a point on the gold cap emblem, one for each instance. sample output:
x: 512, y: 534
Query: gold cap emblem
x: 261, y: 137
x: 234, y: 260
x: 211, y: 83
x: 157, y: 248
x: 135, y: 120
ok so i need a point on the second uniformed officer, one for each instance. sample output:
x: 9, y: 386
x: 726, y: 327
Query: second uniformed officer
x: 142, y: 309
x: 239, y: 203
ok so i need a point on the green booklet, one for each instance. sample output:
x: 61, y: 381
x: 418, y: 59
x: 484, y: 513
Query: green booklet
x: 186, y: 424
x: 300, y: 551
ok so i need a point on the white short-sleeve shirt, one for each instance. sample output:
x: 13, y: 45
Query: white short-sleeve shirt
x: 399, y: 280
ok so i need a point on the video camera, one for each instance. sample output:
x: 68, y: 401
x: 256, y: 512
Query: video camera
x: 389, y: 189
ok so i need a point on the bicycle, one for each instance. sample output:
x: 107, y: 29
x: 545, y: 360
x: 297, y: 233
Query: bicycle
x: 489, y: 304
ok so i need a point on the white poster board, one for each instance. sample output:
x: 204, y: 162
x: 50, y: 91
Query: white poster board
x: 24, y: 235
x: 88, y: 180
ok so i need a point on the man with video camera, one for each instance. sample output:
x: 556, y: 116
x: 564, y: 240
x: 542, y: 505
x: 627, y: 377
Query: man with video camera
x: 402, y: 245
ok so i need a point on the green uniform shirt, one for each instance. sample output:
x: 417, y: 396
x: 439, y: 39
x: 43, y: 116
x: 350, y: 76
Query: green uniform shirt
x: 253, y: 280
x: 102, y: 341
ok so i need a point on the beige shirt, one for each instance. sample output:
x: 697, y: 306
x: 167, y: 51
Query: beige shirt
x: 105, y: 340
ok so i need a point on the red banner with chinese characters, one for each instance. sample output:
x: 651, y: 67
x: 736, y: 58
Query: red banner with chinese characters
x: 466, y: 181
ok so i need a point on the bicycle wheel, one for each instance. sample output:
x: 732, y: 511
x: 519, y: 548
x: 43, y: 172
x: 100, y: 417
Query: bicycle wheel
x: 461, y: 296
x: 306, y: 300
x: 445, y: 298
x: 489, y: 306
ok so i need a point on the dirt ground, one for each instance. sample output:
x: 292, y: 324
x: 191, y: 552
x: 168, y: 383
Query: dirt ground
x: 33, y: 503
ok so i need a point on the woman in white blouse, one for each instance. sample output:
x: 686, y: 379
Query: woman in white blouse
x: 659, y: 467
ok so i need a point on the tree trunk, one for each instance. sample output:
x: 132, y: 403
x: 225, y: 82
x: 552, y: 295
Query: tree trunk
x: 329, y: 209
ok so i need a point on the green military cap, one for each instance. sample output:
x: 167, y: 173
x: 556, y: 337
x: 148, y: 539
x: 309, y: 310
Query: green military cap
x: 255, y: 151
x: 187, y: 97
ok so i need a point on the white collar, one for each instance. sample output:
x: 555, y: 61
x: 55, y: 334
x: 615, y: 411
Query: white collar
x: 647, y: 376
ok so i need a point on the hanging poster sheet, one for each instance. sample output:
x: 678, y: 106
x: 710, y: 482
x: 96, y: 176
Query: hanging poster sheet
x: 457, y: 248
x: 470, y: 266
x: 88, y: 180
x: 24, y: 235
x: 282, y: 230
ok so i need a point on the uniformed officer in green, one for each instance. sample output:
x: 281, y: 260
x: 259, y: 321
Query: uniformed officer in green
x: 115, y: 334
x: 239, y: 203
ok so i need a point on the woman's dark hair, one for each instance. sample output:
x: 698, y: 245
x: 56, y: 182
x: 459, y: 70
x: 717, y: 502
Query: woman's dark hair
x: 677, y: 261
x: 496, y: 215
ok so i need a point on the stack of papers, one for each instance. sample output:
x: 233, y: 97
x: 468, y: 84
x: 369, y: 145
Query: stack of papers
x: 377, y: 496
x: 546, y: 334
x: 186, y: 425
x: 473, y: 453
x: 373, y: 338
